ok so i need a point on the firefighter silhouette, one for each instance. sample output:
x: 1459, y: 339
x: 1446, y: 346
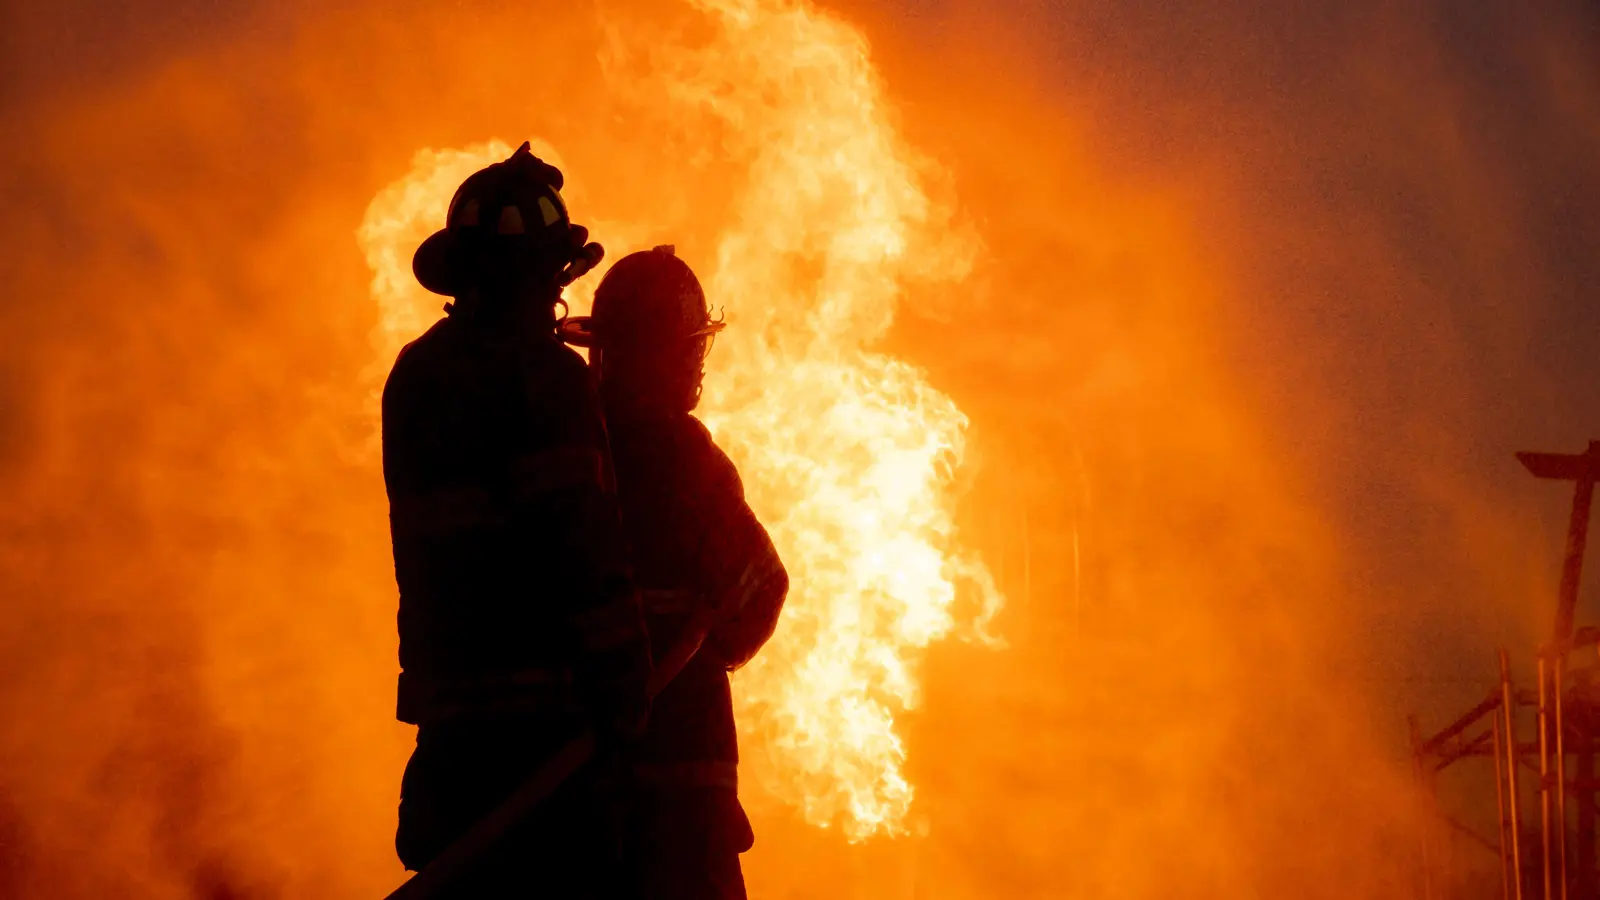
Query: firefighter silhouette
x: 703, y: 563
x: 519, y: 624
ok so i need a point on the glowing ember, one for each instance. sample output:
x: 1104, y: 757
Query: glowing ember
x: 847, y: 454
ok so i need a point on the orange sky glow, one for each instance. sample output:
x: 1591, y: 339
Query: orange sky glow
x: 1084, y: 603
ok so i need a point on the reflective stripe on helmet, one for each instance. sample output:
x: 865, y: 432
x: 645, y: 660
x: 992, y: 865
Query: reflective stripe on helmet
x: 511, y: 221
x: 505, y: 195
x: 467, y: 216
x: 548, y: 209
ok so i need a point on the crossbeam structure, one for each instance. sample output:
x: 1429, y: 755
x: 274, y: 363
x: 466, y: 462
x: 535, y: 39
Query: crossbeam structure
x: 1582, y: 469
x: 1564, y: 710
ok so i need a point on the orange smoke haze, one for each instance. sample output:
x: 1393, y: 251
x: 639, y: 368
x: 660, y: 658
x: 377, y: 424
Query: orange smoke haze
x: 1206, y: 338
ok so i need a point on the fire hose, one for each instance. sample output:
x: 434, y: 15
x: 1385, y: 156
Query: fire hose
x: 572, y: 756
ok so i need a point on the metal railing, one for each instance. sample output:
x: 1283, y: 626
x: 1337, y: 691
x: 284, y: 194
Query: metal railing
x: 1565, y: 865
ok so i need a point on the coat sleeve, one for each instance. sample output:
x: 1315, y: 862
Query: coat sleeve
x: 746, y: 579
x: 565, y: 494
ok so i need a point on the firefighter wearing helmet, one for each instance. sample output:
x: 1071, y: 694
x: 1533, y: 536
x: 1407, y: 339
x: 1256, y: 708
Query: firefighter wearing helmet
x: 519, y: 624
x: 702, y: 562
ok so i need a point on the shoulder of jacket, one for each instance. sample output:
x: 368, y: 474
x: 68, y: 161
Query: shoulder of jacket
x: 413, y: 359
x: 551, y: 362
x: 439, y: 337
x: 720, y: 470
x: 700, y: 434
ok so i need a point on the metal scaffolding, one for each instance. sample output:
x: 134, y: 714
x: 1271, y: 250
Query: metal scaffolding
x: 1554, y: 857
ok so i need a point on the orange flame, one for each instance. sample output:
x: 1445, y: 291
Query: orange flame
x: 847, y: 454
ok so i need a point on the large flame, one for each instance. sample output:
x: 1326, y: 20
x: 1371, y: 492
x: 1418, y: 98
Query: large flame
x: 847, y: 454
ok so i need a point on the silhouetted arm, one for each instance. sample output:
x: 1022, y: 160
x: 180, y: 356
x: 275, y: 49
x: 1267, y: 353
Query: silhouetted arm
x: 747, y: 581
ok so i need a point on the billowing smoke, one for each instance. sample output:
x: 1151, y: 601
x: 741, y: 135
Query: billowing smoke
x: 1266, y: 298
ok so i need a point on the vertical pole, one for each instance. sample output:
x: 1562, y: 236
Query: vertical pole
x: 1508, y: 707
x: 1557, y: 664
x: 1500, y: 804
x: 1545, y: 807
x: 1583, y: 470
x: 1571, y: 577
x: 1583, y: 793
x: 1577, y: 535
x: 1418, y: 768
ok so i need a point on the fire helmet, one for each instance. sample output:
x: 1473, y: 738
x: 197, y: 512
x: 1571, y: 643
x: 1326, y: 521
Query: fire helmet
x: 509, y: 213
x: 649, y: 299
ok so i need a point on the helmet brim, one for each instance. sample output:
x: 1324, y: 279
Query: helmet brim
x: 579, y: 331
x: 709, y: 329
x: 437, y: 264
